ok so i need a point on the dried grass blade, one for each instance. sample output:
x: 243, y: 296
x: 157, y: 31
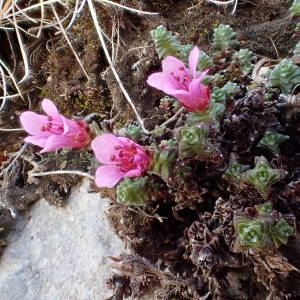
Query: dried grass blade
x: 68, y: 41
x: 125, y: 93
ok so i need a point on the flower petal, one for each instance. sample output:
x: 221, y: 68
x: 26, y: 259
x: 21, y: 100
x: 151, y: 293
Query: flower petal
x: 175, y: 67
x: 180, y: 94
x: 193, y: 60
x: 200, y: 95
x: 108, y: 176
x: 56, y: 142
x: 203, y: 74
x: 35, y: 140
x: 163, y: 82
x: 34, y: 123
x: 134, y: 173
x: 49, y: 107
x: 104, y: 147
x: 70, y: 126
x: 198, y: 90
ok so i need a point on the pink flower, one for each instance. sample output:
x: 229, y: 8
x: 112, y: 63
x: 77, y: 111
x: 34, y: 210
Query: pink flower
x: 121, y: 157
x: 182, y: 83
x: 54, y: 131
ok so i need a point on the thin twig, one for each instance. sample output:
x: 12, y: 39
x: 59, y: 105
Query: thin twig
x: 10, y: 96
x: 68, y: 41
x: 256, y: 71
x: 12, y: 78
x: 221, y: 2
x: 156, y: 216
x: 97, y: 26
x: 225, y: 3
x: 22, y: 48
x: 194, y: 6
x: 36, y: 165
x: 3, y: 88
x: 234, y: 7
x: 277, y: 54
x: 25, y: 16
x: 63, y: 172
x: 173, y: 118
x: 18, y: 154
x: 42, y: 18
x: 11, y: 129
x: 75, y: 13
x: 34, y: 7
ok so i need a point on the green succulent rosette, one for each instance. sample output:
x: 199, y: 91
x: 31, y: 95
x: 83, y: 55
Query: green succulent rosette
x: 194, y: 142
x: 251, y: 234
x: 133, y: 191
x: 167, y: 44
x: 212, y: 114
x: 281, y: 232
x: 264, y: 209
x: 245, y: 59
x: 263, y: 233
x: 163, y: 161
x: 285, y: 76
x: 233, y: 172
x: 295, y: 9
x: 262, y: 177
x: 224, y: 37
x: 205, y: 61
x: 134, y: 132
x: 272, y: 141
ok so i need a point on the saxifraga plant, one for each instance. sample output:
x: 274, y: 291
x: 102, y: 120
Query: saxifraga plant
x: 285, y: 76
x: 264, y: 233
x: 262, y: 177
x: 224, y: 38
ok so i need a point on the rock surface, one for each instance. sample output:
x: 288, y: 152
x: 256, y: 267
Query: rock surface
x: 60, y: 253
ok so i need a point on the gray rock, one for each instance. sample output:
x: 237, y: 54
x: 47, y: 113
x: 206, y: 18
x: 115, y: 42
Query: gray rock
x: 60, y: 253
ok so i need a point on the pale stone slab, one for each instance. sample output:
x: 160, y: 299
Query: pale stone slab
x: 60, y: 253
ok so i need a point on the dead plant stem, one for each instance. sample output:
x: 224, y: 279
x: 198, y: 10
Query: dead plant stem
x: 63, y: 172
x: 100, y: 35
